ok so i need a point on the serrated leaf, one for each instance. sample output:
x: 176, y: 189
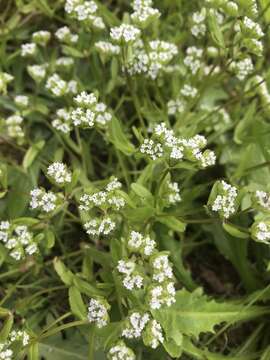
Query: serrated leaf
x: 194, y: 313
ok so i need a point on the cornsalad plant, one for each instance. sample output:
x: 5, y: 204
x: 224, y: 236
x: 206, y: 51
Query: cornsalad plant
x: 134, y: 179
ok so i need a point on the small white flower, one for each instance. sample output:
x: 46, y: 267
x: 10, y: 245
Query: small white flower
x: 98, y: 312
x: 21, y: 100
x: 225, y: 202
x: 28, y: 49
x: 135, y: 326
x: 121, y: 352
x: 125, y: 32
x: 59, y: 173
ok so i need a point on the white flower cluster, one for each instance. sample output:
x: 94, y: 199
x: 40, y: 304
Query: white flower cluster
x: 189, y: 91
x: 136, y: 323
x: 59, y: 87
x: 84, y: 11
x: 45, y: 201
x: 59, y: 173
x: 98, y: 312
x: 252, y: 28
x: 14, y: 127
x: 19, y: 335
x: 125, y: 33
x: 64, y: 62
x: 161, y: 294
x: 152, y: 59
x: 144, y: 13
x: 132, y: 279
x: 153, y: 335
x: 193, y: 59
x: 176, y: 106
x: 121, y: 352
x: 62, y: 122
x: 198, y: 28
x: 107, y: 48
x: 5, y: 79
x: 162, y: 269
x: 143, y: 245
x: 141, y: 325
x: 37, y: 72
x: 260, y: 231
x: 21, y: 101
x: 105, y: 199
x: 89, y: 111
x: 41, y: 37
x: 164, y: 142
x: 18, y: 239
x: 152, y: 148
x: 263, y: 199
x: 66, y: 36
x: 225, y: 201
x: 242, y: 68
x: 5, y: 351
x: 173, y: 193
x: 98, y: 227
x: 28, y: 49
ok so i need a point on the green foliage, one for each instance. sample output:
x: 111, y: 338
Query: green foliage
x: 134, y: 180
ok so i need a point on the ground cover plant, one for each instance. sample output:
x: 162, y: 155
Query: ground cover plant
x: 134, y: 179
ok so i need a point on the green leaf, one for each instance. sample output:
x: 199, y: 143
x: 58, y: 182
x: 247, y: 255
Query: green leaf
x: 236, y: 252
x: 57, y: 349
x: 33, y: 352
x: 194, y: 313
x: 172, y: 223
x: 143, y: 193
x: 215, y: 30
x: 63, y: 272
x: 242, y: 128
x: 173, y: 349
x: 7, y: 325
x: 71, y: 51
x: 140, y: 214
x: 118, y: 137
x: 32, y: 153
x: 86, y: 288
x: 234, y: 231
x: 76, y: 303
x: 50, y: 238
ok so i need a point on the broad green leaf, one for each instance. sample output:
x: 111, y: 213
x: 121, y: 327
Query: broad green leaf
x: 173, y: 349
x: 215, y: 30
x: 194, y: 313
x: 172, y: 223
x: 234, y: 231
x: 87, y: 288
x: 76, y: 303
x: 32, y: 153
x: 118, y: 137
x: 143, y: 193
x: 6, y: 325
x: 63, y: 272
